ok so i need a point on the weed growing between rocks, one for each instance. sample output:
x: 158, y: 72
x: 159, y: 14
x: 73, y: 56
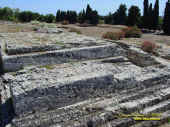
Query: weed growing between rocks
x: 114, y: 35
x: 132, y: 32
x: 149, y: 47
x: 75, y: 30
x: 48, y: 67
x: 59, y: 43
x: 125, y: 33
x: 65, y: 22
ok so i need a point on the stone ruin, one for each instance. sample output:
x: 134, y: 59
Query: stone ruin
x: 78, y: 81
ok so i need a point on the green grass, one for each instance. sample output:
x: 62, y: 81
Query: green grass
x: 59, y: 43
x: 49, y: 67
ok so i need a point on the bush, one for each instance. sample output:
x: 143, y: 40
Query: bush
x: 132, y: 32
x: 35, y: 22
x: 114, y: 35
x: 65, y: 22
x: 75, y: 30
x: 148, y: 46
x: 84, y: 25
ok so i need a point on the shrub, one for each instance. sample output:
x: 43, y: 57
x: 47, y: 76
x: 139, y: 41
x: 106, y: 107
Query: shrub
x: 132, y: 32
x: 114, y: 35
x: 84, y: 25
x: 75, y: 30
x: 65, y: 22
x: 35, y: 22
x: 35, y: 28
x: 148, y: 46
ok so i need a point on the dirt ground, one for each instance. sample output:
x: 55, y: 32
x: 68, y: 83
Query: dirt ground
x: 98, y: 31
x: 165, y: 125
x: 94, y: 31
x: 13, y: 28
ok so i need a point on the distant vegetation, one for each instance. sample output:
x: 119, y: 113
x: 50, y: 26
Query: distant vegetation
x: 166, y: 22
x: 150, y: 18
x: 131, y: 17
x: 126, y: 32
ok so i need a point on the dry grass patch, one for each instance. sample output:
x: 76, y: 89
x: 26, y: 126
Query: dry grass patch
x: 14, y: 28
x: 114, y: 35
x: 149, y: 47
x: 75, y: 30
x: 132, y: 32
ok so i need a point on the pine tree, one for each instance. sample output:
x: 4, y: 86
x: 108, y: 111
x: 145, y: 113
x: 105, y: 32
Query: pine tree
x: 58, y: 16
x: 95, y: 18
x: 82, y: 16
x: 133, y: 16
x: 145, y: 14
x: 151, y: 17
x: 88, y: 13
x: 156, y: 15
x: 108, y: 19
x: 166, y: 22
x: 120, y: 16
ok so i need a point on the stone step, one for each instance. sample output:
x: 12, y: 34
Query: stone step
x: 100, y: 120
x: 17, y: 62
x: 130, y: 122
x: 165, y: 116
x: 55, y: 115
x: 78, y: 88
x: 61, y: 93
x: 120, y: 97
x: 146, y: 101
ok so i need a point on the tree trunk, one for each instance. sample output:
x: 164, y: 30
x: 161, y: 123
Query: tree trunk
x: 1, y: 63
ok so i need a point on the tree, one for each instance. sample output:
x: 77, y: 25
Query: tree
x: 88, y: 16
x: 49, y: 18
x: 95, y: 18
x: 120, y: 16
x: 6, y: 13
x: 25, y: 16
x: 151, y: 17
x: 82, y: 16
x: 88, y: 12
x: 166, y: 21
x: 133, y: 16
x: 145, y: 18
x: 108, y: 19
x: 156, y: 15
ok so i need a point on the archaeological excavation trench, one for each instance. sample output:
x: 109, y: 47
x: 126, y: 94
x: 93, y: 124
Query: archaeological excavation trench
x: 81, y: 82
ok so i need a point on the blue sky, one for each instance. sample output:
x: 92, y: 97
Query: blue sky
x: 102, y: 6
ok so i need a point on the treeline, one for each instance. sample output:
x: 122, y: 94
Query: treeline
x: 150, y: 18
x: 16, y: 15
x: 166, y: 21
x: 123, y: 16
x: 89, y: 16
x: 86, y: 16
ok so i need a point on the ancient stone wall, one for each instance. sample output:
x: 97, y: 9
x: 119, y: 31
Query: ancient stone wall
x: 13, y: 63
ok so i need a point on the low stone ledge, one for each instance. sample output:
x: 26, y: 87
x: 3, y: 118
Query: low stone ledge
x: 62, y: 93
x: 140, y: 58
x: 31, y: 49
x: 14, y: 63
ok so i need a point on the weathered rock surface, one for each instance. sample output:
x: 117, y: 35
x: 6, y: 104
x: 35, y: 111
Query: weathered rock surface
x: 13, y: 63
x: 85, y: 82
x: 28, y: 42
